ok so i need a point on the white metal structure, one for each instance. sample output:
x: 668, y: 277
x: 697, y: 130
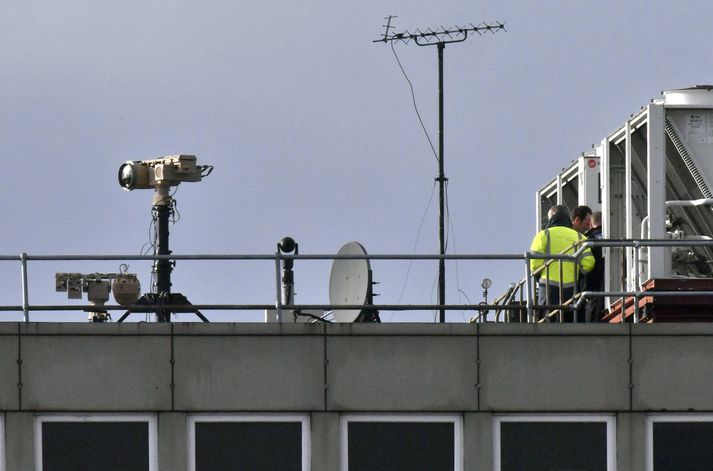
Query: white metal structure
x: 578, y: 184
x: 652, y: 178
x: 657, y: 175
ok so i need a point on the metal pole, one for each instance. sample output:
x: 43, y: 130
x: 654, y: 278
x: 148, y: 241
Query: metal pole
x: 636, y: 281
x: 530, y: 283
x: 278, y: 303
x: 162, y: 267
x: 441, y: 188
x: 25, y: 293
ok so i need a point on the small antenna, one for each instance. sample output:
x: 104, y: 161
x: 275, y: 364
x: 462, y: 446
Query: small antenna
x: 431, y: 37
x: 439, y: 37
x: 388, y: 27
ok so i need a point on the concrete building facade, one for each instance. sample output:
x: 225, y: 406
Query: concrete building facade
x: 337, y: 395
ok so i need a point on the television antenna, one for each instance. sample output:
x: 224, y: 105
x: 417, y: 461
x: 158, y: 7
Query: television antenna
x: 439, y: 37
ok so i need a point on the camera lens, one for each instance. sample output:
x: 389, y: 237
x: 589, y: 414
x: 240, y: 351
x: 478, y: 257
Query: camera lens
x: 127, y: 178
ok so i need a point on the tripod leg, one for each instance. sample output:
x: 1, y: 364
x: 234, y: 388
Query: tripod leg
x: 201, y: 316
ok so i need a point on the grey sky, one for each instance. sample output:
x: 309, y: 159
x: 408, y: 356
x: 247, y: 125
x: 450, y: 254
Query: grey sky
x: 311, y: 129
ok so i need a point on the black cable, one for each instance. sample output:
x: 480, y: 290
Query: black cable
x: 175, y: 215
x: 312, y: 316
x: 433, y: 299
x: 413, y: 97
x: 152, y: 235
x: 415, y: 244
x: 455, y: 250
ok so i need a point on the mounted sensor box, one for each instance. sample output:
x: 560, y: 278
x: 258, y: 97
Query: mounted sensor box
x: 165, y: 171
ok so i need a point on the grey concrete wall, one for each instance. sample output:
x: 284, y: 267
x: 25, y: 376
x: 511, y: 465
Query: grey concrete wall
x: 533, y: 368
x: 477, y: 441
x: 672, y: 367
x: 401, y: 369
x: 352, y: 368
x: 325, y: 441
x: 256, y: 369
x: 9, y: 367
x: 477, y: 371
x: 19, y: 441
x: 172, y: 440
x: 631, y: 441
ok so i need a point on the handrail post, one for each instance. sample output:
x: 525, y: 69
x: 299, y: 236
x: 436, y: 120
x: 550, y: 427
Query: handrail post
x: 278, y: 290
x: 636, y: 281
x: 575, y: 290
x: 530, y: 286
x: 25, y: 290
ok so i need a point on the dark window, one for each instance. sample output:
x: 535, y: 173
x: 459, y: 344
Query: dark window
x: 89, y: 446
x: 682, y: 445
x: 253, y: 446
x: 394, y: 446
x: 553, y: 446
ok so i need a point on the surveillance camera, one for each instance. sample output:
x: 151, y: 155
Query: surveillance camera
x: 287, y: 244
x: 162, y: 172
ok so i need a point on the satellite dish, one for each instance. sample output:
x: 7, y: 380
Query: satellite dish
x: 350, y: 283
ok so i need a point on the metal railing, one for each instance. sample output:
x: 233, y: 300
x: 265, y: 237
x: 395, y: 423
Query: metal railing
x: 277, y: 258
x: 517, y: 304
x: 524, y: 288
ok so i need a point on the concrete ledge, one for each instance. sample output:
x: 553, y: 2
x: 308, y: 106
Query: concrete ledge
x: 554, y: 373
x: 252, y: 373
x: 408, y: 373
x: 96, y: 373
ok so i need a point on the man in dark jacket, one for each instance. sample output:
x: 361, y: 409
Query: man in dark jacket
x: 594, y: 281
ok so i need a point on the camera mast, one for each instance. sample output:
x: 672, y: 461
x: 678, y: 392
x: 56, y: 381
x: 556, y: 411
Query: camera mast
x: 439, y: 38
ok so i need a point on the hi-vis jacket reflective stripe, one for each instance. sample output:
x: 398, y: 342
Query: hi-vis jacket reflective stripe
x: 560, y: 240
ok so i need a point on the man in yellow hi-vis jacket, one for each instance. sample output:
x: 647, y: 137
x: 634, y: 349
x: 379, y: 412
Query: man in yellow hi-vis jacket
x: 558, y: 237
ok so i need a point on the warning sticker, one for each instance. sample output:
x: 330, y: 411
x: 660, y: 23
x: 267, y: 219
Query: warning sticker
x: 696, y: 128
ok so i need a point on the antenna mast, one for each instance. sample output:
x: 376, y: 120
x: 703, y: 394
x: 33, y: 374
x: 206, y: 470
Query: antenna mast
x: 439, y: 38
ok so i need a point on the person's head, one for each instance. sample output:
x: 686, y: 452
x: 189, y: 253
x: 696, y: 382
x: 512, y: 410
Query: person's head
x: 557, y: 209
x: 596, y: 218
x: 582, y: 219
x: 558, y: 216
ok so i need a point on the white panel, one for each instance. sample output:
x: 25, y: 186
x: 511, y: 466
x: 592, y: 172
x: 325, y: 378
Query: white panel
x: 656, y: 187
